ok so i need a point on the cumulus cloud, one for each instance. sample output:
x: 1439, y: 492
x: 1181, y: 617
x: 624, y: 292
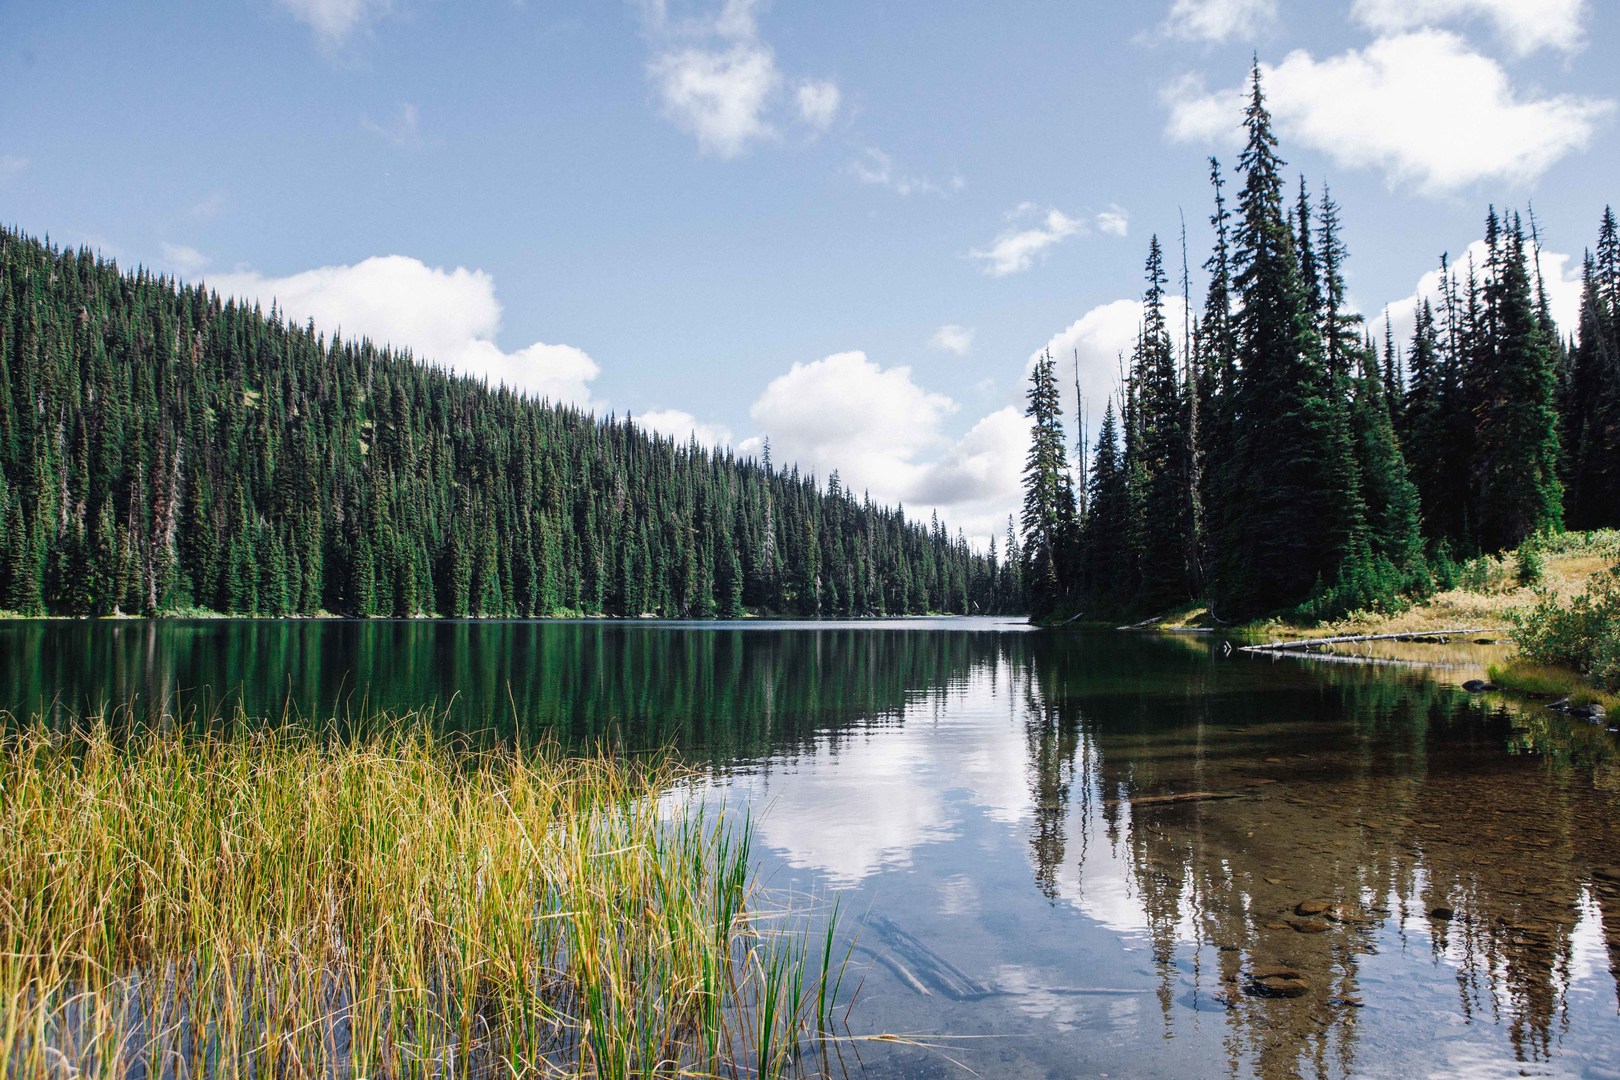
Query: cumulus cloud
x: 681, y: 426
x: 1560, y: 274
x: 1375, y: 108
x: 885, y: 435
x: 1033, y: 231
x: 1219, y: 20
x: 334, y: 20
x: 953, y: 338
x: 877, y: 168
x: 11, y: 165
x: 718, y: 80
x: 1523, y: 25
x: 818, y: 102
x: 445, y: 317
x: 847, y: 413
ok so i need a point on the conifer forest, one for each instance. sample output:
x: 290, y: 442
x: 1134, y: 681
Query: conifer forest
x: 162, y: 450
x: 1276, y: 454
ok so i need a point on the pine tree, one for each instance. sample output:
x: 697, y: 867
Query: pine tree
x: 1161, y: 467
x: 1048, y: 494
x: 1292, y: 495
x: 1516, y: 490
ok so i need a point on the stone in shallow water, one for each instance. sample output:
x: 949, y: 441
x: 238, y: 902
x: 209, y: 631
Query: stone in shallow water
x: 1310, y: 926
x: 1441, y: 913
x: 1311, y: 907
x: 1280, y: 982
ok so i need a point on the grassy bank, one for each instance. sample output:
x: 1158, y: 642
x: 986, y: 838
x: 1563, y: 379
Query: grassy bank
x: 1487, y: 591
x: 276, y: 904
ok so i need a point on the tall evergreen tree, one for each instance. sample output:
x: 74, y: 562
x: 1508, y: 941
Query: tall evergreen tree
x: 1293, y: 497
x: 1049, y: 507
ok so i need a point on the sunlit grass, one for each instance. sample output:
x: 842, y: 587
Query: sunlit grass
x: 1543, y: 680
x: 279, y: 903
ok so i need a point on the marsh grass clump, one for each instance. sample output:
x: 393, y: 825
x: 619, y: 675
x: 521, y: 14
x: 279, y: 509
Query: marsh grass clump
x: 282, y: 903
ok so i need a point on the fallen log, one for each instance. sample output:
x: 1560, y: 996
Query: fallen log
x: 1180, y: 797
x: 1356, y: 639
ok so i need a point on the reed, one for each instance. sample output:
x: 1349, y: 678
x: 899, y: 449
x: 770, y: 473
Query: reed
x: 255, y: 902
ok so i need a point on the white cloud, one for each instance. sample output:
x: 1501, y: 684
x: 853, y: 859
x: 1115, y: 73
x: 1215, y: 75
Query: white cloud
x: 1114, y: 221
x: 1219, y: 20
x: 681, y: 426
x: 978, y: 481
x: 1376, y: 108
x: 1523, y: 25
x: 1560, y: 273
x: 333, y: 20
x: 185, y: 261
x: 877, y: 168
x: 446, y: 317
x: 885, y: 435
x: 723, y: 83
x: 11, y: 165
x: 1016, y: 248
x: 818, y: 102
x: 953, y: 338
x: 845, y: 412
x: 403, y: 130
x: 718, y: 96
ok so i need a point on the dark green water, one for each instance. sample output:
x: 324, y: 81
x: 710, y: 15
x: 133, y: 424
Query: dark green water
x: 994, y: 810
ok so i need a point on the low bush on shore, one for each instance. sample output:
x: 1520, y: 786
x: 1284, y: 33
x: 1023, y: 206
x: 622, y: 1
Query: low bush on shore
x: 256, y: 903
x: 1582, y: 634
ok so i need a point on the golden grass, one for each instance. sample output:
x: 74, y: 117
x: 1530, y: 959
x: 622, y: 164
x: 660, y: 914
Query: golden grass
x: 1491, y: 597
x: 1547, y: 681
x: 279, y: 904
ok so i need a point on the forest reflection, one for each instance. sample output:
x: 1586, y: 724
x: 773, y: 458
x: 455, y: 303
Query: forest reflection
x: 1347, y: 811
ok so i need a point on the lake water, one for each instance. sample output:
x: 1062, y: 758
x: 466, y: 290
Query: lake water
x: 1435, y: 874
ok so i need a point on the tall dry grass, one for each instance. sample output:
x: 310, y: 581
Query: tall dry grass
x: 277, y: 903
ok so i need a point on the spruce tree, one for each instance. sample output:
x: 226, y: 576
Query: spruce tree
x: 1048, y: 516
x: 1293, y: 505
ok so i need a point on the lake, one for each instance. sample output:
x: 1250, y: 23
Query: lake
x: 1060, y: 853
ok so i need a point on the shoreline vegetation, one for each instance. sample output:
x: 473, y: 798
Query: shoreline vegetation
x: 254, y: 901
x: 1277, y: 468
x: 1556, y: 598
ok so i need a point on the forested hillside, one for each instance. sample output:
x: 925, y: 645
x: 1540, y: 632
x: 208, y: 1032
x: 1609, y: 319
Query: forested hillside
x: 163, y: 450
x: 1273, y: 456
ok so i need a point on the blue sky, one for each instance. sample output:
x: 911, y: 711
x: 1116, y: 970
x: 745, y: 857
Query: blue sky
x: 846, y: 226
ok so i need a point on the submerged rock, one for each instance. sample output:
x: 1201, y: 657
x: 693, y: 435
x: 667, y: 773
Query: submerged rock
x: 1310, y: 926
x: 1278, y: 982
x: 1311, y: 907
x: 1442, y: 914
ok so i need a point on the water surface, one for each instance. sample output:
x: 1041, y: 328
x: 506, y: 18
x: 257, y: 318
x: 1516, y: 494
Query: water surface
x: 1004, y: 816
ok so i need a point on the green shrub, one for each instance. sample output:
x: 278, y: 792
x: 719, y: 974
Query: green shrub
x: 1584, y: 636
x: 1367, y: 584
x: 1529, y: 566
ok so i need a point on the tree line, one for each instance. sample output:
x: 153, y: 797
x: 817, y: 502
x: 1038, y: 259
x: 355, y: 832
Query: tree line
x: 1280, y: 460
x: 164, y: 450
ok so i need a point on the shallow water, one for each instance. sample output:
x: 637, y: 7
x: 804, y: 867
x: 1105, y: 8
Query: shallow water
x: 995, y: 812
